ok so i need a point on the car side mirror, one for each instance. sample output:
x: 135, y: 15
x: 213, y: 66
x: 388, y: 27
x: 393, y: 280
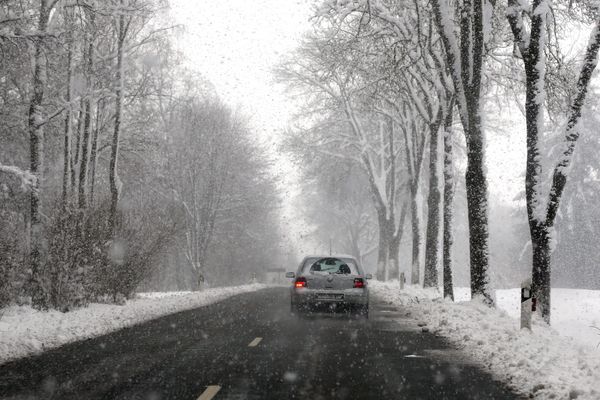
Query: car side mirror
x: 290, y: 275
x: 369, y: 276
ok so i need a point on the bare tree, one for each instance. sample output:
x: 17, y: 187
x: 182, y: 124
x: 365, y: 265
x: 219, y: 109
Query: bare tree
x: 115, y: 182
x: 464, y: 45
x: 541, y: 214
x: 68, y: 114
x: 448, y: 199
x: 361, y: 133
x: 87, y: 119
x: 36, y: 137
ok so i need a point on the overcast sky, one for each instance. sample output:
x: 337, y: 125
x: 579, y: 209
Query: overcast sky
x: 236, y: 43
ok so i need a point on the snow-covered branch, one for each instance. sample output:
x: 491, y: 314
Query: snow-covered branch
x: 559, y: 178
x: 25, y: 178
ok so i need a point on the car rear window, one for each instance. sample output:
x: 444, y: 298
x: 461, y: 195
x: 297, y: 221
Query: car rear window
x: 330, y: 265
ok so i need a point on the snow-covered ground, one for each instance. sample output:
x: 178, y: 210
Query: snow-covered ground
x: 546, y: 363
x: 575, y: 312
x: 25, y: 331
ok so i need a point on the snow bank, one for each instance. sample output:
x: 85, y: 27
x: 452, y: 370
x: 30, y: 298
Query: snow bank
x: 541, y: 363
x: 25, y: 331
x: 575, y: 312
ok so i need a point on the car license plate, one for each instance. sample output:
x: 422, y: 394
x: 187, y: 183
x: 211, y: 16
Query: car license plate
x: 330, y: 296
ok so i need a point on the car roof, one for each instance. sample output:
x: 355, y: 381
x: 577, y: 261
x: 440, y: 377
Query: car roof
x: 329, y: 256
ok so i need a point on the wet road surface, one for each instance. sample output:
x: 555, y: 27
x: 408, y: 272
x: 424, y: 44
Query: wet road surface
x: 251, y: 347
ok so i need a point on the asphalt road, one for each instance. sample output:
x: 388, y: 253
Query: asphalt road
x: 250, y: 347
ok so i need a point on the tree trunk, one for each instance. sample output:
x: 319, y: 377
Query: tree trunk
x: 448, y: 199
x: 414, y: 150
x: 394, y: 262
x: 540, y: 278
x: 394, y: 252
x: 433, y: 211
x: 416, y: 237
x: 477, y: 210
x: 383, y: 255
x: 75, y: 155
x: 541, y: 221
x: 39, y: 295
x: 472, y: 56
x: 94, y: 152
x: 465, y: 58
x: 115, y: 184
x: 83, y: 169
x: 67, y: 132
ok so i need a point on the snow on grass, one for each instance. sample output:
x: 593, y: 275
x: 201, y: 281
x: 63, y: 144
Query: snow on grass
x: 25, y: 331
x: 541, y: 363
x: 575, y: 312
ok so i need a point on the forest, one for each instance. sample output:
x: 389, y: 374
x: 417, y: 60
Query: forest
x: 120, y: 167
x: 349, y: 199
x: 400, y: 100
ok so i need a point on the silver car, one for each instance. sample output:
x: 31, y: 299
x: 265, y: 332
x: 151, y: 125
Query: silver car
x: 334, y: 281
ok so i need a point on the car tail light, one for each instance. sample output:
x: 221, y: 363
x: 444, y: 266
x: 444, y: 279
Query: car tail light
x: 300, y: 282
x: 359, y: 283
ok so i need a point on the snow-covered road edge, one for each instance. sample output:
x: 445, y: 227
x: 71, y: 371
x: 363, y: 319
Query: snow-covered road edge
x: 540, y: 363
x: 25, y: 331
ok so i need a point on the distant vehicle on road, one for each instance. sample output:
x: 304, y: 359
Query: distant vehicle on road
x: 334, y: 281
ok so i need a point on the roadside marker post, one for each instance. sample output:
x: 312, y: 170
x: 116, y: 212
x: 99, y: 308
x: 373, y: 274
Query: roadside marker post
x: 527, y: 304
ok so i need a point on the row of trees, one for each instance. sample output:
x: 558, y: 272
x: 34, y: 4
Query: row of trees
x: 383, y: 82
x: 118, y: 166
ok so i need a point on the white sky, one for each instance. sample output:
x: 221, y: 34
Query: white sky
x: 236, y: 43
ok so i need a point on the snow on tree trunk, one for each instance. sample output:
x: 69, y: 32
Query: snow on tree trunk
x: 85, y: 139
x: 77, y: 150
x: 414, y: 150
x: 394, y: 263
x: 394, y: 252
x: 540, y: 282
x: 68, y: 122
x: 39, y: 295
x: 383, y: 254
x: 416, y: 238
x: 94, y: 152
x: 478, y: 219
x: 448, y: 198
x: 541, y: 217
x: 433, y: 210
x: 115, y: 184
x: 464, y: 56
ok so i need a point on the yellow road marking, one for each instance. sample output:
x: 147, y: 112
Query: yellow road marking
x: 210, y: 392
x: 255, y: 342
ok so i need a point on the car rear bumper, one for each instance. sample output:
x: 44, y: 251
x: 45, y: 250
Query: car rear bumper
x: 309, y: 297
